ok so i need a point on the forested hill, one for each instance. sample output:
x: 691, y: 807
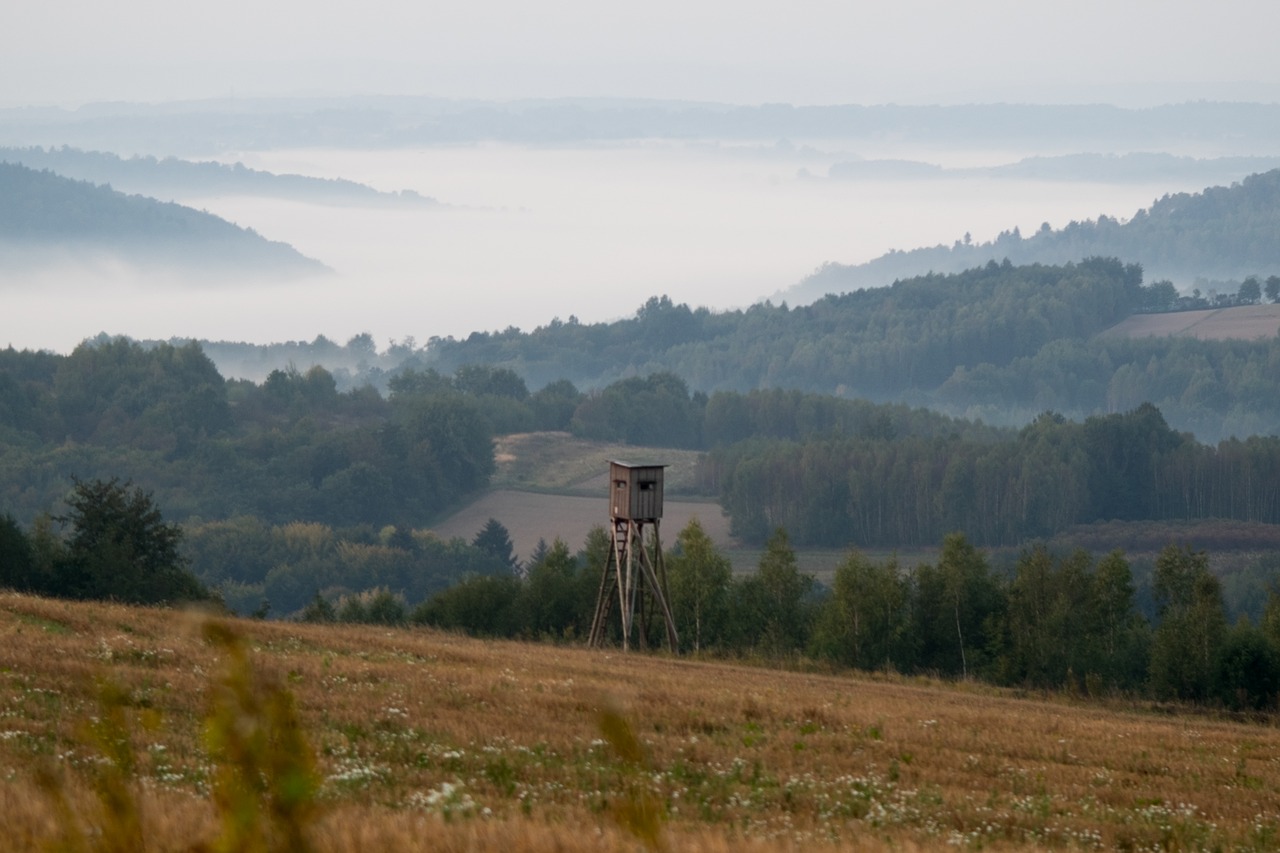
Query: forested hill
x: 1002, y: 343
x: 1220, y: 233
x: 170, y: 177
x: 47, y: 218
x: 875, y: 343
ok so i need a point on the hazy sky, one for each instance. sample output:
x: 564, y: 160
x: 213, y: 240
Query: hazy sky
x: 746, y: 51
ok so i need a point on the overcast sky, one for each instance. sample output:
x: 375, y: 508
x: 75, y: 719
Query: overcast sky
x: 1132, y: 52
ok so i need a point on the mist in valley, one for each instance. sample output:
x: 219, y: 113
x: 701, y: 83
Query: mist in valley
x: 529, y: 234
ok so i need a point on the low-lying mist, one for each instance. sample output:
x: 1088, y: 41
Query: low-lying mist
x: 530, y: 234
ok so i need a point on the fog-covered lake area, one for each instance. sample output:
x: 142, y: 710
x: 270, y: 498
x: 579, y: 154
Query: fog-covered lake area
x: 525, y: 234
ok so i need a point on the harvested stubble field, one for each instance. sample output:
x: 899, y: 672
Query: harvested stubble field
x: 1242, y: 322
x: 430, y: 741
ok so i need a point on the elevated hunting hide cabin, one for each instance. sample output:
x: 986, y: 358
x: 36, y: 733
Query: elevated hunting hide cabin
x: 635, y: 576
x: 636, y: 491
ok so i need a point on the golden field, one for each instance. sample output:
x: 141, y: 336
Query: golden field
x: 430, y: 741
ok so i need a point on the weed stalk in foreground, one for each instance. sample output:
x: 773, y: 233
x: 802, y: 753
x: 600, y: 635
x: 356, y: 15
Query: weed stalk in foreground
x: 265, y: 784
x: 638, y: 811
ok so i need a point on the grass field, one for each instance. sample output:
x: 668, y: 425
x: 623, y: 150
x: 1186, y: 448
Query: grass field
x: 429, y: 741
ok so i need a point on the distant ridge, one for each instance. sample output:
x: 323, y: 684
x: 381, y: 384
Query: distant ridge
x: 47, y: 219
x: 1219, y: 233
x: 202, y: 127
x: 170, y: 177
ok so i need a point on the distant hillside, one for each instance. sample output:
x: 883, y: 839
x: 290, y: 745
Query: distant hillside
x: 172, y: 177
x: 45, y: 218
x: 1220, y: 233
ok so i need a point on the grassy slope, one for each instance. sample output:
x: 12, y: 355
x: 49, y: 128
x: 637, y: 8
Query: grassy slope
x: 783, y: 760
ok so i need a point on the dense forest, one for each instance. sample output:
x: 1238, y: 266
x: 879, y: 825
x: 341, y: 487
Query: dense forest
x: 874, y: 342
x: 291, y: 448
x: 169, y: 176
x: 45, y: 218
x: 1222, y: 233
x: 283, y: 488
x: 999, y: 342
x: 838, y: 489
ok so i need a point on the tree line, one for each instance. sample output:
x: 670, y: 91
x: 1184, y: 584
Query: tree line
x: 116, y: 545
x: 1066, y: 621
x: 1056, y: 621
x: 866, y: 490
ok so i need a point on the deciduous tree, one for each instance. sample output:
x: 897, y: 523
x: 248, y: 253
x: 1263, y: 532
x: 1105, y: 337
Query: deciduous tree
x: 1192, y: 624
x: 864, y: 621
x: 780, y: 596
x: 698, y: 577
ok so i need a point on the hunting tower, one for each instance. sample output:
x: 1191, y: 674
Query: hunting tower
x: 635, y: 574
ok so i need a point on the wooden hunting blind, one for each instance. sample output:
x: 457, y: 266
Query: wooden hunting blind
x: 635, y: 574
x: 637, y: 491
